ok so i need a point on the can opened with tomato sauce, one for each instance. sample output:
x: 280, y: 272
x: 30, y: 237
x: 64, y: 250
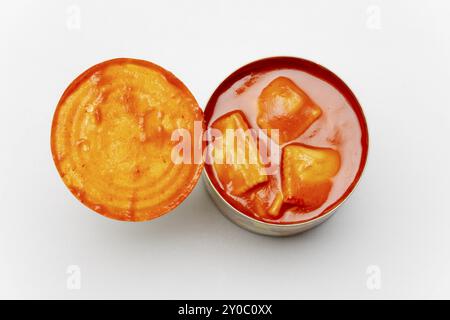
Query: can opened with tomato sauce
x: 283, y: 142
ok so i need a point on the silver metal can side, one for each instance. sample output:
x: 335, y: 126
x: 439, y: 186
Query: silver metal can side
x: 257, y: 226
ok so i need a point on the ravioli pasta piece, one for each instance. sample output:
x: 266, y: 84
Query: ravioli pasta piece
x: 267, y: 199
x: 237, y: 162
x: 282, y: 105
x: 306, y: 175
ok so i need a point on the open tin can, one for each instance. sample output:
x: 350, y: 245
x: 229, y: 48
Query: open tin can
x: 334, y: 98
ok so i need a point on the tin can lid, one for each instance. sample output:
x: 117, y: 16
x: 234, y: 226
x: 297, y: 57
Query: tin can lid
x: 126, y: 139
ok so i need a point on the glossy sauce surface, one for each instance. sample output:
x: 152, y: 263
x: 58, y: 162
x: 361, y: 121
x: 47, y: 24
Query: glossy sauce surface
x: 341, y: 128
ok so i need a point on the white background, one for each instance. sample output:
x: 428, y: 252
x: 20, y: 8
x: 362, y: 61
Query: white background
x: 395, y: 55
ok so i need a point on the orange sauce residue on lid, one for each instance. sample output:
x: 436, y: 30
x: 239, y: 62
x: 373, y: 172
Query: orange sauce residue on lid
x: 111, y: 139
